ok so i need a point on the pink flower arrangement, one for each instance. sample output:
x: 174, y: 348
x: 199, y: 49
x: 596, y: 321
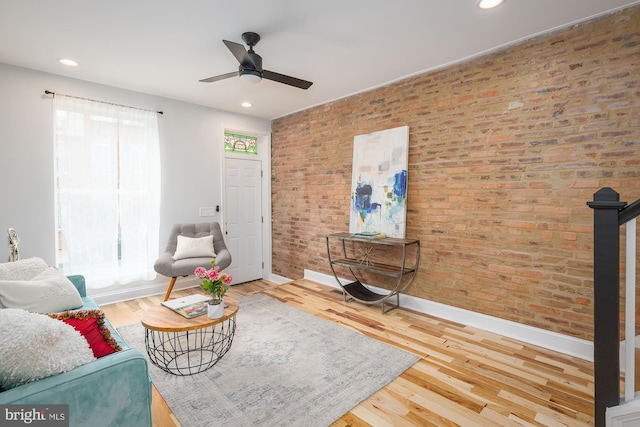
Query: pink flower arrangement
x: 214, y: 282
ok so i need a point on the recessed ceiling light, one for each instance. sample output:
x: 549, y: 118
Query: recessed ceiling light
x: 247, y: 104
x: 69, y: 62
x: 488, y: 4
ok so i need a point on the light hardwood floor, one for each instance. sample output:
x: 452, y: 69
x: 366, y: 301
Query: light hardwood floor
x: 465, y: 377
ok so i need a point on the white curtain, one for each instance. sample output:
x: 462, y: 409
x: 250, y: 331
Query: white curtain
x: 107, y: 185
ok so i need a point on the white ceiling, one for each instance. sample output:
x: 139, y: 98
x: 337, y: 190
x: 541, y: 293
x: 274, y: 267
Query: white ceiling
x: 163, y: 47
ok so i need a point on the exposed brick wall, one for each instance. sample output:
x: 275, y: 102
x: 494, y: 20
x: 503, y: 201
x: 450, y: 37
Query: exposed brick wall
x: 504, y: 152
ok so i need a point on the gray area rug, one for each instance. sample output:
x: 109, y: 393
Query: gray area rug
x: 286, y: 367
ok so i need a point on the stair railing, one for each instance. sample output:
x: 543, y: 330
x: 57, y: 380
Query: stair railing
x: 609, y: 215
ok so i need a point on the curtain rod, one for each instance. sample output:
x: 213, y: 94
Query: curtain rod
x: 48, y: 92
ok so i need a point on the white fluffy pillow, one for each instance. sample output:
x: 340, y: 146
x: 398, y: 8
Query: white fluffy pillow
x: 23, y: 269
x: 194, y: 247
x: 35, y: 346
x: 49, y: 291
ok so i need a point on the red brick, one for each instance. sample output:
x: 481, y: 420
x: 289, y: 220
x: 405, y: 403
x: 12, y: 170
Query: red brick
x: 505, y: 151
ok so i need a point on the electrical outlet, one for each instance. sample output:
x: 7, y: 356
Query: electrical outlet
x: 207, y: 211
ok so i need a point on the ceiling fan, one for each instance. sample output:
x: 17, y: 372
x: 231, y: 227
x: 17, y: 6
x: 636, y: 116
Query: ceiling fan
x: 251, y: 65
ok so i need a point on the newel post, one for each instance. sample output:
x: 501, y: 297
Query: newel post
x: 606, y: 300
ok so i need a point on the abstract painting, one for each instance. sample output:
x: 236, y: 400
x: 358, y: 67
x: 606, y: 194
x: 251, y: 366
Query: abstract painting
x: 379, y: 183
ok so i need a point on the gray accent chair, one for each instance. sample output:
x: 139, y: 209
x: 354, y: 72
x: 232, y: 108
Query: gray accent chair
x: 167, y: 266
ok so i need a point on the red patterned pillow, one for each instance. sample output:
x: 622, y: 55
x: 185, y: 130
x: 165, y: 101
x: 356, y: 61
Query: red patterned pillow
x: 90, y: 323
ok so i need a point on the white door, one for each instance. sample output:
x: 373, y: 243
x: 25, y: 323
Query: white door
x: 243, y: 218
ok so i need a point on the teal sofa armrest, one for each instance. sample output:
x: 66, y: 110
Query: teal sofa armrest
x: 114, y: 390
x: 79, y: 282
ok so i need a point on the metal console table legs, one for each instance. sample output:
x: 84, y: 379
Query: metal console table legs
x: 363, y: 263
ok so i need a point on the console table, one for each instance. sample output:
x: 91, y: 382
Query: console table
x: 361, y: 263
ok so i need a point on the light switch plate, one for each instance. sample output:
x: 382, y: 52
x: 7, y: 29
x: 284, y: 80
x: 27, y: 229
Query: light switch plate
x: 207, y: 211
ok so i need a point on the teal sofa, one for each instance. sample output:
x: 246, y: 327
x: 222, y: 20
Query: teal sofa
x: 114, y: 390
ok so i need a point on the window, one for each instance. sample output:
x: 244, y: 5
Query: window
x: 107, y: 191
x: 237, y: 143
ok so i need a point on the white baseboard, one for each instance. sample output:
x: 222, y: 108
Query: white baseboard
x: 627, y: 414
x: 159, y: 286
x: 154, y: 287
x: 572, y: 346
x: 275, y: 278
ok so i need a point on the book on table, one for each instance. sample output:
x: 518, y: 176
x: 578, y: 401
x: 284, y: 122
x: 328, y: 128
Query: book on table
x: 189, y: 307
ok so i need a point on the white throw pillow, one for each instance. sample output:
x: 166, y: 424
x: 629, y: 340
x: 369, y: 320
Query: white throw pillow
x: 194, y: 247
x: 23, y: 269
x: 35, y: 346
x: 50, y: 291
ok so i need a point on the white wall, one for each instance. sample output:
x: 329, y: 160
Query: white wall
x: 191, y: 154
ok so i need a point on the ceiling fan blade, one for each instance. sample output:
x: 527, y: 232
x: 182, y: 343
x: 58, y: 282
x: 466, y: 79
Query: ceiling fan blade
x: 240, y: 53
x: 281, y: 78
x: 220, y: 77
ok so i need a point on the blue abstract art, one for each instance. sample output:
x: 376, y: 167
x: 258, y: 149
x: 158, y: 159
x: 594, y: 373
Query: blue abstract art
x: 379, y: 183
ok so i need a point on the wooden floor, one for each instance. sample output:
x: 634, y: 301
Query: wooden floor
x: 465, y: 377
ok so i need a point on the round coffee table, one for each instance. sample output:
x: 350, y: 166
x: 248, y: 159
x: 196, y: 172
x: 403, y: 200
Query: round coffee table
x: 182, y: 346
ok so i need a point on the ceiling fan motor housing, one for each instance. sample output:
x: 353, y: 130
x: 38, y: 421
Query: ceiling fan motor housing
x: 256, y: 59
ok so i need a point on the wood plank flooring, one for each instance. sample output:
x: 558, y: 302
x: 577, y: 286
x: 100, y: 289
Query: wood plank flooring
x: 465, y: 377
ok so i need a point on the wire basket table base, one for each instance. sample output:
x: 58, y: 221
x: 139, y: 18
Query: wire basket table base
x: 190, y: 352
